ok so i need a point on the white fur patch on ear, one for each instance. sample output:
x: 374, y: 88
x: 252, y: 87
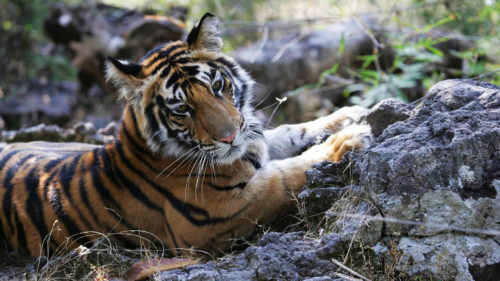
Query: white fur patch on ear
x: 206, y: 36
x: 124, y: 75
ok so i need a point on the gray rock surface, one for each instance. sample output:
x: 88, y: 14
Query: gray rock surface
x: 284, y: 64
x: 432, y: 183
x: 450, y: 141
x: 276, y: 256
x: 80, y: 132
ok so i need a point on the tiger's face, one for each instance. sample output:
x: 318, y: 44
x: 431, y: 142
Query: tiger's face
x: 190, y: 98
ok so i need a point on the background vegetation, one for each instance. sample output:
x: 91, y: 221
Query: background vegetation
x: 26, y: 53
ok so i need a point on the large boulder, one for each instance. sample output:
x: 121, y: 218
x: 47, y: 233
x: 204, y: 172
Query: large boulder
x: 427, y: 192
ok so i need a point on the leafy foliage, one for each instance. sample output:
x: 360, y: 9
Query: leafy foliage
x: 21, y: 54
x: 417, y: 62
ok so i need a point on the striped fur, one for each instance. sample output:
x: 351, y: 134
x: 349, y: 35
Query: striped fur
x: 191, y: 163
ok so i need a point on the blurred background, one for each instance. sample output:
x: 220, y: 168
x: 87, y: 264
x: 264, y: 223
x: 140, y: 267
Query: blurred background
x: 308, y: 57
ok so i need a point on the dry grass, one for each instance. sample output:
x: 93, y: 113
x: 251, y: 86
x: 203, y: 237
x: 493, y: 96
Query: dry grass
x: 99, y: 260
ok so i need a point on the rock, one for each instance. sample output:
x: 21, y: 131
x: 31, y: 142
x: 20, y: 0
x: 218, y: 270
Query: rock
x: 39, y: 102
x: 449, y: 141
x: 386, y: 113
x: 276, y: 256
x: 41, y: 132
x: 109, y: 130
x: 318, y: 200
x: 426, y: 194
x: 448, y: 256
x: 84, y: 128
x: 284, y: 64
x: 434, y: 172
x: 330, y: 173
x: 81, y: 132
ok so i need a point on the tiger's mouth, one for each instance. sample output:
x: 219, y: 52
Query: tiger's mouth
x: 224, y: 152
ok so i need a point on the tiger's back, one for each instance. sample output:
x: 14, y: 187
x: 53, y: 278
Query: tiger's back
x: 33, y: 178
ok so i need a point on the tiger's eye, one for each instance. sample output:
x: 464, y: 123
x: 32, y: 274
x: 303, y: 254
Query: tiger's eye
x: 182, y: 108
x: 217, y: 86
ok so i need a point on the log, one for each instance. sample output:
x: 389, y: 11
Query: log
x: 91, y: 32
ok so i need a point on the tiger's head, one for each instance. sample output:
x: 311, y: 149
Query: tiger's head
x: 189, y: 96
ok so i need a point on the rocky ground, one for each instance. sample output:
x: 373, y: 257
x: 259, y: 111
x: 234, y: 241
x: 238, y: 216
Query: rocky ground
x: 420, y: 204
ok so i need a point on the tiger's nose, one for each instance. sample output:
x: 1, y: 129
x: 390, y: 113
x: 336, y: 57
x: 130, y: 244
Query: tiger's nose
x: 230, y: 137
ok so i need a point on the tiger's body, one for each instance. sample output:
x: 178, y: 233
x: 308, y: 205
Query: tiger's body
x: 191, y: 164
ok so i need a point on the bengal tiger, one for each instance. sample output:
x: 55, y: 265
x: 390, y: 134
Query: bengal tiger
x: 191, y: 163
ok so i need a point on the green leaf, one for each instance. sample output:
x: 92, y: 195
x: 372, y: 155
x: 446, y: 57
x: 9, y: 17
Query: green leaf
x: 435, y: 51
x: 341, y: 44
x: 440, y: 22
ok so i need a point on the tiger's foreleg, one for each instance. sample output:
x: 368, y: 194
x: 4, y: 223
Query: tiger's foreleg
x: 290, y: 140
x: 269, y: 193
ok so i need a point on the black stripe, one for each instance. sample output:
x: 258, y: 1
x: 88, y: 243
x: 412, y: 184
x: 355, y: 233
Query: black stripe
x: 160, y: 66
x: 73, y: 230
x: 174, y: 57
x: 167, y: 52
x: 151, y: 52
x: 21, y: 234
x: 137, y: 132
x: 65, y: 176
x: 118, y: 177
x: 34, y: 207
x: 165, y: 72
x: 99, y: 185
x: 194, y: 80
x: 176, y: 246
x: 304, y: 130
x: 86, y: 202
x: 6, y: 158
x: 136, y: 149
x: 253, y: 158
x: 182, y: 60
x: 191, y: 70
x: 52, y: 163
x: 172, y: 79
x: 153, y: 123
x: 120, y: 238
x: 66, y: 173
x: 161, y: 102
x: 240, y: 185
x: 7, y: 184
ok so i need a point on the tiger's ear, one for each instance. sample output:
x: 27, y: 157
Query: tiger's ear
x: 205, y: 35
x: 126, y: 75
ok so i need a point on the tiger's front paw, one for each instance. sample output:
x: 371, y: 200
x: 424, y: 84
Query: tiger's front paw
x: 352, y: 138
x: 345, y: 117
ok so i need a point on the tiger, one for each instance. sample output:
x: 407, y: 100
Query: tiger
x: 191, y: 162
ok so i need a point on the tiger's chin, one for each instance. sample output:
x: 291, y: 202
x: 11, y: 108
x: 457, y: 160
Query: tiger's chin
x: 227, y: 154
